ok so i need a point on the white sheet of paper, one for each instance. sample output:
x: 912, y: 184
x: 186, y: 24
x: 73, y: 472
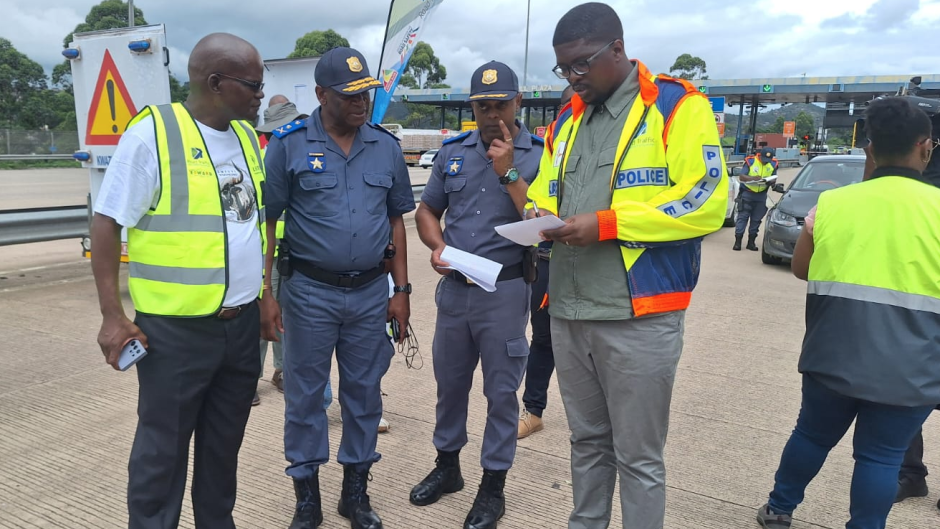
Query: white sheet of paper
x: 526, y: 232
x: 480, y: 270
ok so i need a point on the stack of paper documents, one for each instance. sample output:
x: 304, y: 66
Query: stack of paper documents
x: 478, y: 269
x: 526, y: 232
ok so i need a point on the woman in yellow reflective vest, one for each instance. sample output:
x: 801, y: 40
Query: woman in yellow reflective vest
x: 871, y: 354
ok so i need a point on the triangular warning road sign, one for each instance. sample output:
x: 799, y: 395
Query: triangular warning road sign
x: 111, y: 106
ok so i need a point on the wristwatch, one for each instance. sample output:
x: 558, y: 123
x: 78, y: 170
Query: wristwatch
x: 511, y: 176
x: 403, y: 289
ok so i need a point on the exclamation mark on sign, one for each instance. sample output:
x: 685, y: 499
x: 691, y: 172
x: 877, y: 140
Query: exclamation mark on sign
x: 110, y: 86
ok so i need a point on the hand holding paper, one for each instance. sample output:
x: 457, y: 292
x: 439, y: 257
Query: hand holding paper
x: 480, y: 270
x: 526, y: 232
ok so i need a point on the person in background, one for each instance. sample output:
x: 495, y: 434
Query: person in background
x: 541, y: 363
x: 870, y: 355
x: 912, y: 482
x: 280, y: 113
x: 752, y: 202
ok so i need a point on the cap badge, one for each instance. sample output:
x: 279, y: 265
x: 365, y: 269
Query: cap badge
x: 489, y: 76
x: 354, y: 64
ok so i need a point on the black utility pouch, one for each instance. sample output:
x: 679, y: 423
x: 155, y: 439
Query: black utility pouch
x: 530, y: 265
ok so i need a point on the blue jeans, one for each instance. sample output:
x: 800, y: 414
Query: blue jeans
x: 882, y: 435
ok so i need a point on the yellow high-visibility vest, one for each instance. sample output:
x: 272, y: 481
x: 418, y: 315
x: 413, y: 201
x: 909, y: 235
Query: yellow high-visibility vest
x: 873, y: 299
x: 177, y: 253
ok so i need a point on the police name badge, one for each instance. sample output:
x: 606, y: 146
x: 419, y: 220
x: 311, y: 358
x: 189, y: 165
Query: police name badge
x: 316, y: 161
x: 489, y: 76
x: 354, y: 65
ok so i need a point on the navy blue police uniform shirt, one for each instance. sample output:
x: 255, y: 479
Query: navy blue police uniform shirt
x: 465, y: 186
x: 337, y: 206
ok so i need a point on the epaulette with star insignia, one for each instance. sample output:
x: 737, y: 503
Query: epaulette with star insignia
x: 284, y: 130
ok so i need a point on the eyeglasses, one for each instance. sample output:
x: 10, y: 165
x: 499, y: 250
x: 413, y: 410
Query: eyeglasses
x: 581, y: 67
x: 255, y: 86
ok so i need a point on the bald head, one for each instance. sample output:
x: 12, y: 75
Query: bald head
x: 278, y: 100
x: 221, y: 52
x: 225, y: 80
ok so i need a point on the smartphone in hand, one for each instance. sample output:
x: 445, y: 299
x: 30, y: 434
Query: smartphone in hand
x: 132, y: 353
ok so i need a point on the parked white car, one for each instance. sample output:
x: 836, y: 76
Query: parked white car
x: 734, y: 187
x: 427, y: 159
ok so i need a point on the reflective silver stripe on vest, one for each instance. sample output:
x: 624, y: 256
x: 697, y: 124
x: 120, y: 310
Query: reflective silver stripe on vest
x: 262, y: 216
x: 189, y: 223
x: 882, y: 296
x: 179, y: 175
x: 177, y: 275
x: 253, y: 138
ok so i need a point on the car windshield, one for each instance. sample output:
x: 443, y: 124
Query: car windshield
x: 829, y: 175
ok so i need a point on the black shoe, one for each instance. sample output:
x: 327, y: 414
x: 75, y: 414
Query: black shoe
x: 308, y: 513
x: 490, y: 503
x: 354, y: 502
x: 737, y: 243
x: 911, y: 487
x: 444, y: 479
x: 750, y: 243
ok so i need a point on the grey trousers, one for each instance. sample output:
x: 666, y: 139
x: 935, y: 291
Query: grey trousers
x: 475, y: 326
x: 616, y: 380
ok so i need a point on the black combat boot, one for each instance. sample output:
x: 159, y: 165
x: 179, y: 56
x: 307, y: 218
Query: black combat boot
x: 750, y: 243
x: 308, y: 514
x: 354, y: 502
x: 737, y: 243
x: 490, y: 503
x: 444, y: 479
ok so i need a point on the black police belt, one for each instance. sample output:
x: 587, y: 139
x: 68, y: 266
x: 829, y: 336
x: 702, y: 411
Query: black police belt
x: 337, y: 280
x: 507, y: 273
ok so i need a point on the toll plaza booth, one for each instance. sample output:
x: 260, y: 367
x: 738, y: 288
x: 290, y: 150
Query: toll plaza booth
x: 539, y: 104
x: 844, y: 99
x: 115, y: 74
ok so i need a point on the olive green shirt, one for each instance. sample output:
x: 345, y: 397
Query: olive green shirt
x: 590, y: 283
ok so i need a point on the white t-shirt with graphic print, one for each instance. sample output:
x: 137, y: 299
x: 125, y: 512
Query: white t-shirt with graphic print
x: 132, y: 185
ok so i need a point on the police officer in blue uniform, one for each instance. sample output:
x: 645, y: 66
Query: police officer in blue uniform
x: 479, y: 181
x: 345, y: 186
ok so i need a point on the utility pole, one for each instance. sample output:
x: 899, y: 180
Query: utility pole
x: 525, y: 67
x: 130, y: 13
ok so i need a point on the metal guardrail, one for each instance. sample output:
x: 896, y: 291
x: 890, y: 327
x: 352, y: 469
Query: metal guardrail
x: 21, y: 226
x: 34, y: 157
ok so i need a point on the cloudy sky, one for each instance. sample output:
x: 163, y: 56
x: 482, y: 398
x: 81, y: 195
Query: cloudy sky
x: 736, y: 38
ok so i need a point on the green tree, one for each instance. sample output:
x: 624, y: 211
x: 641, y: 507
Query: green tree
x: 689, y: 67
x: 805, y: 125
x: 178, y: 91
x: 425, y: 71
x: 21, y: 79
x: 777, y: 127
x: 109, y: 14
x: 316, y: 43
x: 424, y: 68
